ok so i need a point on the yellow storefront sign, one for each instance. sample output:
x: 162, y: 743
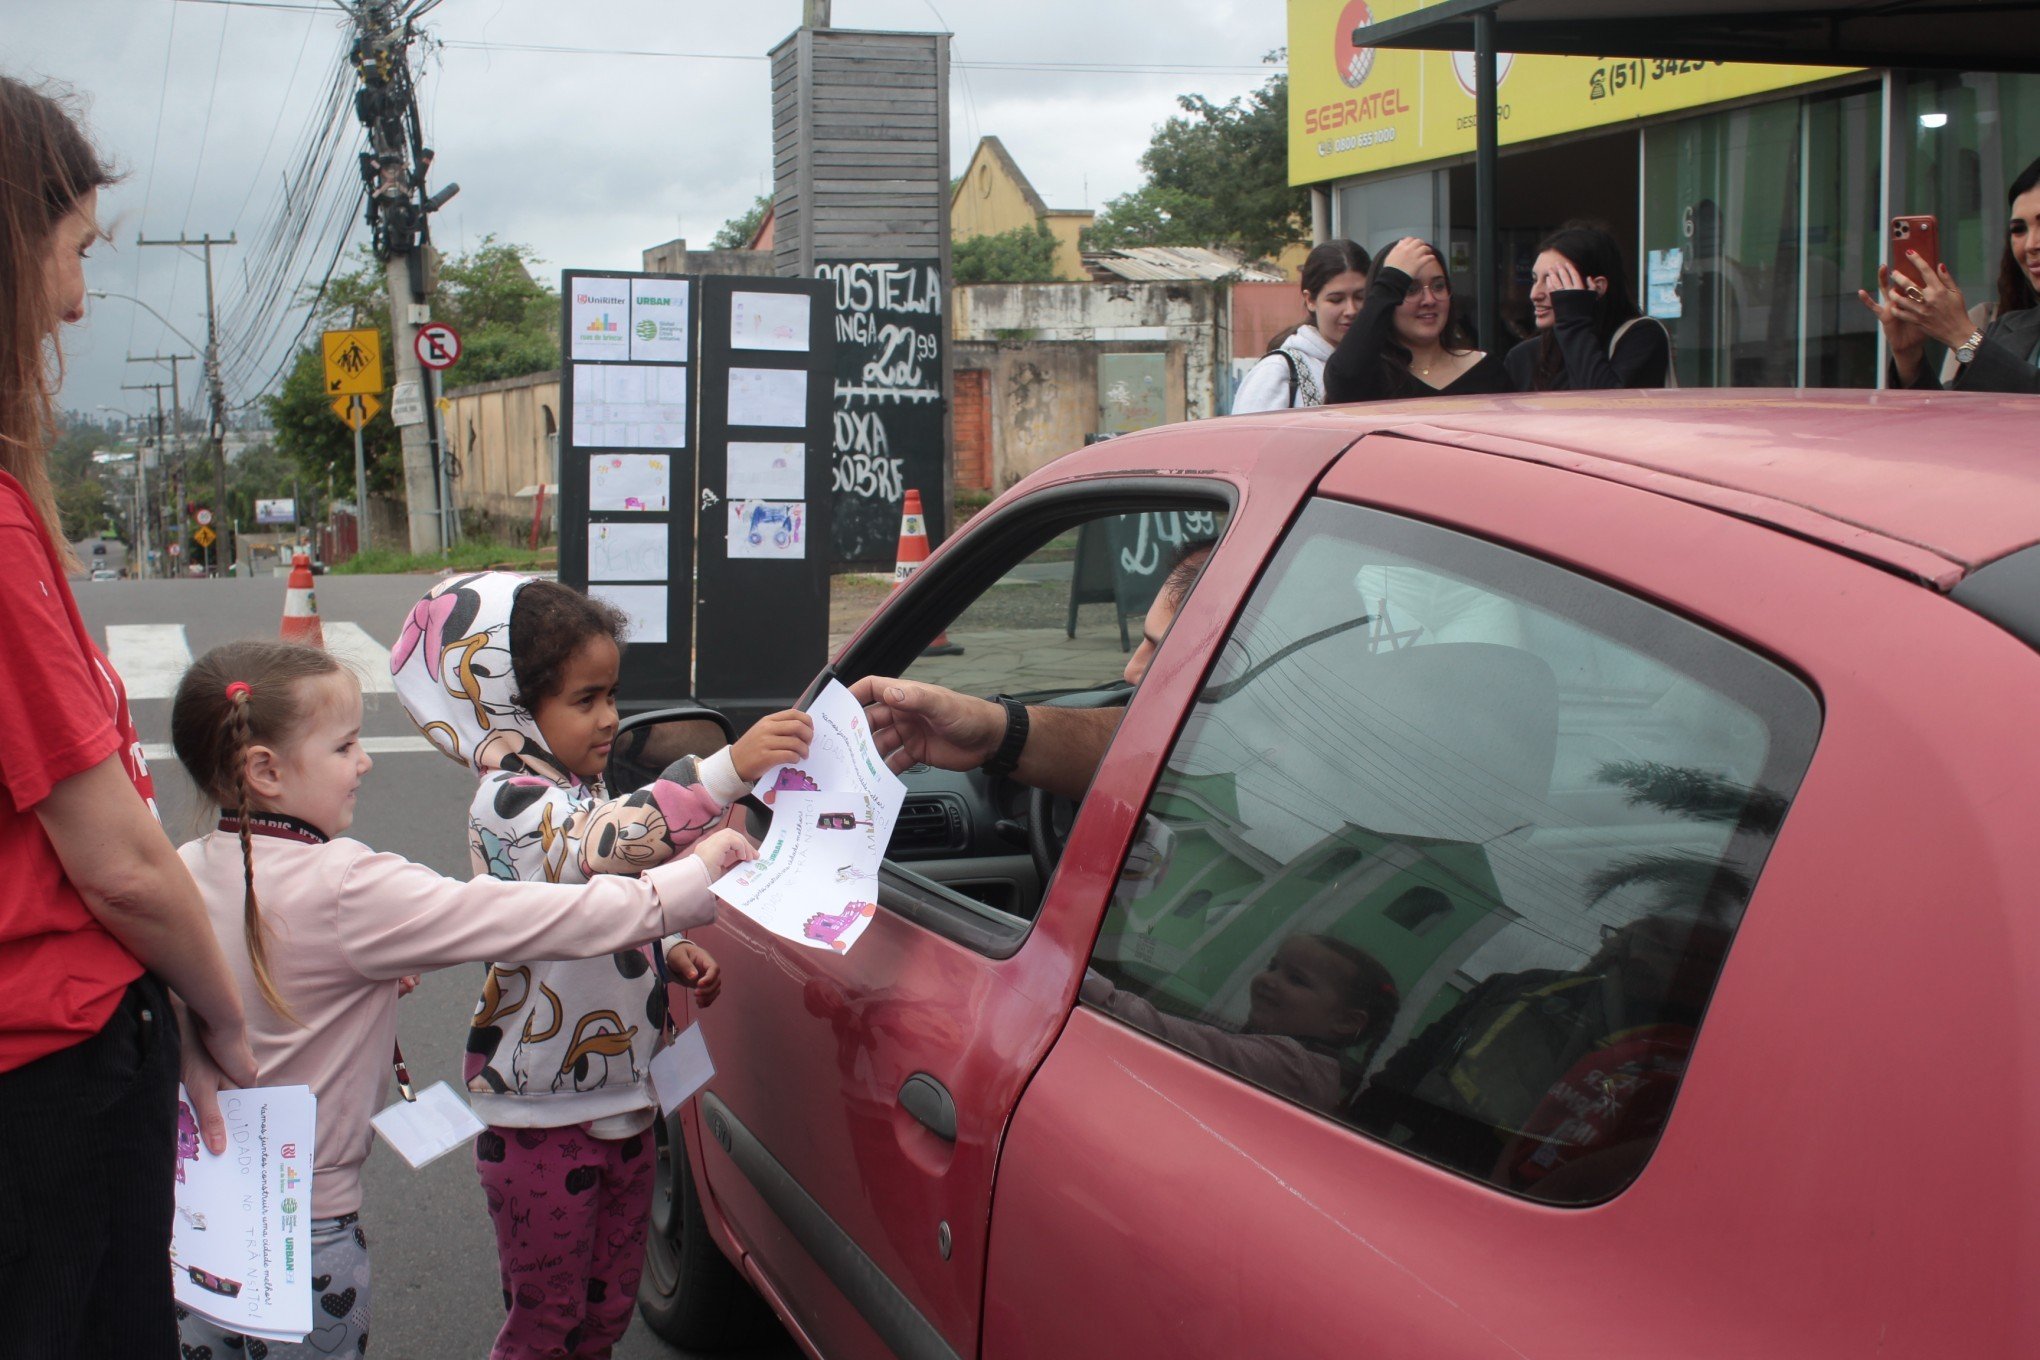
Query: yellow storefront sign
x: 1353, y: 111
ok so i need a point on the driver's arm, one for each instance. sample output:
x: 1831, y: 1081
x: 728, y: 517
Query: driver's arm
x: 1064, y: 746
x: 914, y: 723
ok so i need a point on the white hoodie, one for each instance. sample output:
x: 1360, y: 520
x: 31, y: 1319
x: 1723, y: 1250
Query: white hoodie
x: 1267, y: 384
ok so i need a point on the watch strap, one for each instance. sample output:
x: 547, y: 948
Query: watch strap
x: 1966, y: 351
x: 1007, y: 758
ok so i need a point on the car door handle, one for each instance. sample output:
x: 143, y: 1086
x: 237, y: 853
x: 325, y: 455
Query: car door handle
x: 929, y: 1101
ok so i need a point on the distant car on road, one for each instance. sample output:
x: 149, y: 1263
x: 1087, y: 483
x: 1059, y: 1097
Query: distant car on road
x: 105, y: 574
x: 1564, y: 887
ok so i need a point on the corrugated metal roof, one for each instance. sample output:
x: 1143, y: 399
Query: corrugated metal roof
x: 1166, y: 264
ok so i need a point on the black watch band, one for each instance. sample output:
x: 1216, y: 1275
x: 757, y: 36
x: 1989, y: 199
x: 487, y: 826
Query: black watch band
x: 1007, y: 758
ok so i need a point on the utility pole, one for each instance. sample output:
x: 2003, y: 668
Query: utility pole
x: 147, y: 513
x: 214, y: 389
x: 176, y: 412
x: 399, y: 213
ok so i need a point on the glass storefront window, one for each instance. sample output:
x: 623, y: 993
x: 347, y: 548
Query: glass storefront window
x: 1379, y: 212
x: 1959, y: 141
x: 1844, y: 239
x: 1721, y: 217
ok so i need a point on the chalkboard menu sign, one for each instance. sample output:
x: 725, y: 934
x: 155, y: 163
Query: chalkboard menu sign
x: 1121, y: 561
x: 890, y: 413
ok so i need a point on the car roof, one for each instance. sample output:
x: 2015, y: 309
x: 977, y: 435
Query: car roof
x: 1930, y: 484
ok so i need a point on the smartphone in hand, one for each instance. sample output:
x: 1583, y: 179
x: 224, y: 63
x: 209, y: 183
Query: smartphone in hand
x: 1921, y: 236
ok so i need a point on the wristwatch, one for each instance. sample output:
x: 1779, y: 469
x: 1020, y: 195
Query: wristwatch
x: 1007, y: 758
x: 1966, y: 351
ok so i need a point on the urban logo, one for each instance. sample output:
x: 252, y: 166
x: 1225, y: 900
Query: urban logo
x: 1355, y: 63
x: 647, y: 330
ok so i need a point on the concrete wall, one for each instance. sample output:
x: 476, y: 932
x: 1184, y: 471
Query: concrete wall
x: 1039, y: 344
x: 675, y: 258
x: 499, y: 431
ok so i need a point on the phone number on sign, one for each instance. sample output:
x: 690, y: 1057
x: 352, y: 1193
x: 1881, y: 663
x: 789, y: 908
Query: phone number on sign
x: 1605, y: 82
x: 1356, y: 141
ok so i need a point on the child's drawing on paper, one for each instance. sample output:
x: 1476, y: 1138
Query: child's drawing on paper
x: 187, y: 1137
x: 791, y: 778
x: 831, y: 928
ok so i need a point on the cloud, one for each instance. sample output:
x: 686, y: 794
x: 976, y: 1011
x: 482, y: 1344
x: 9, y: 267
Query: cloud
x: 589, y: 159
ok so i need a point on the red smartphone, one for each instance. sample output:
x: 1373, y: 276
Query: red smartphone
x: 1921, y: 236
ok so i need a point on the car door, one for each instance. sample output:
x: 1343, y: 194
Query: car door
x: 855, y: 1119
x: 1547, y: 805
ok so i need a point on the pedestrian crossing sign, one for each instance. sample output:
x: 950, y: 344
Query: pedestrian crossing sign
x: 353, y: 361
x: 203, y: 536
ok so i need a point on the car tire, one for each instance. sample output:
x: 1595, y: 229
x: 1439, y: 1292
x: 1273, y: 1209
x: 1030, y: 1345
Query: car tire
x: 690, y: 1294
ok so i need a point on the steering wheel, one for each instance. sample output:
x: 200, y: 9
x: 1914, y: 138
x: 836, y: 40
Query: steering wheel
x: 1049, y: 819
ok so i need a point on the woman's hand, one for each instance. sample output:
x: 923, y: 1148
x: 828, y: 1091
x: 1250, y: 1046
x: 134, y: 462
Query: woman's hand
x: 722, y: 851
x: 779, y: 739
x: 205, y: 1076
x: 407, y: 984
x: 1564, y: 277
x: 1897, y: 313
x: 1936, y: 305
x: 1408, y: 255
x: 692, y: 967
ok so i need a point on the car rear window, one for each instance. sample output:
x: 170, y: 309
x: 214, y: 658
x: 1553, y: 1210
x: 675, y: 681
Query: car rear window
x: 1452, y: 849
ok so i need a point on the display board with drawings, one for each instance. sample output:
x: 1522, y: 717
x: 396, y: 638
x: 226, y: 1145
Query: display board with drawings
x: 627, y: 463
x: 891, y: 422
x: 764, y: 503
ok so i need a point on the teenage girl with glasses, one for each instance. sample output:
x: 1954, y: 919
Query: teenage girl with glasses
x: 1408, y: 340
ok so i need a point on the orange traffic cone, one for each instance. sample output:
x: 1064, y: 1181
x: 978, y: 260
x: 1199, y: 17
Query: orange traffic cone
x: 301, y: 606
x: 913, y: 551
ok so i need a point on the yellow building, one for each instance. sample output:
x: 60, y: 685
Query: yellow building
x: 994, y: 197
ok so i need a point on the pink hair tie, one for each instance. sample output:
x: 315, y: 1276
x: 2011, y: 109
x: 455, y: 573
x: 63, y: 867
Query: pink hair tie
x: 238, y: 691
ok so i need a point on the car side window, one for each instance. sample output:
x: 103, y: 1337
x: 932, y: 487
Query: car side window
x: 1067, y: 616
x: 1452, y: 848
x: 1069, y: 624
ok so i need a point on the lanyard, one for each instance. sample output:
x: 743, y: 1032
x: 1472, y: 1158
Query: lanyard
x: 403, y: 1072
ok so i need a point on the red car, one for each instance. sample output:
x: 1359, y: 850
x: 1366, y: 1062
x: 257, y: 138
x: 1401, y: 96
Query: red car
x: 1561, y: 889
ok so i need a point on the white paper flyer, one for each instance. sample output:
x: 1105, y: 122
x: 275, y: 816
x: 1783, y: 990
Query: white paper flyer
x: 815, y: 880
x: 241, y: 1247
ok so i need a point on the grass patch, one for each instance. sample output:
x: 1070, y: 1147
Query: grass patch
x: 462, y: 557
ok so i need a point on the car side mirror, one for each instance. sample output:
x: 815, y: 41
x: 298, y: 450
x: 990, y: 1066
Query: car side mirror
x: 646, y: 743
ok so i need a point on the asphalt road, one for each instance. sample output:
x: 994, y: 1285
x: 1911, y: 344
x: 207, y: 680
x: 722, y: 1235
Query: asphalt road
x: 436, y: 1291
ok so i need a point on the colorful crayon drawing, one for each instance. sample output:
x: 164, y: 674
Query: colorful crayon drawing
x: 792, y: 777
x: 187, y: 1137
x: 830, y: 929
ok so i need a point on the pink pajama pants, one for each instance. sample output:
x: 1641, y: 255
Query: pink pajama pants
x: 570, y: 1213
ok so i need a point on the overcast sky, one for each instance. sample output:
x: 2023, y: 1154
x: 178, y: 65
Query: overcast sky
x: 587, y: 158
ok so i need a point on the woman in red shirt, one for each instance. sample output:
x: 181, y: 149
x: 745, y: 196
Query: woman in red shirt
x: 97, y: 914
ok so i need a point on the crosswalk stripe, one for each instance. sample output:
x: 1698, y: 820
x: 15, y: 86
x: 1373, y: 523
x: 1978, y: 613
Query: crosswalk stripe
x: 369, y: 659
x: 375, y: 746
x: 150, y: 658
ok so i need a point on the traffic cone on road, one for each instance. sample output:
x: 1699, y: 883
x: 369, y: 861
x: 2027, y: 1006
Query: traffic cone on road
x: 301, y: 606
x: 913, y: 551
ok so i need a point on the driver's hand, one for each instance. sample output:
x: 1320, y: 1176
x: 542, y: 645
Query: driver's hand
x: 916, y: 724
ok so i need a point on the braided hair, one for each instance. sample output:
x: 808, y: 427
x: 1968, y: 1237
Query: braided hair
x: 232, y: 699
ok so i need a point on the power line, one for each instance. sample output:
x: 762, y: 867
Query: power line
x: 1075, y: 67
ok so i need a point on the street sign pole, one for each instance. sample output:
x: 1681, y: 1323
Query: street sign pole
x: 360, y: 491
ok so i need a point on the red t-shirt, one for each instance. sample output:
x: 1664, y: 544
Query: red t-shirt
x: 62, y: 711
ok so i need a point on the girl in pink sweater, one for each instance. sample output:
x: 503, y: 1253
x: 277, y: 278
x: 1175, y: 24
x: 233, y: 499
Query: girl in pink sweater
x: 271, y: 732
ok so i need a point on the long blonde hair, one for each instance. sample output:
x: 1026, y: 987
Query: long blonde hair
x: 46, y: 167
x: 236, y: 696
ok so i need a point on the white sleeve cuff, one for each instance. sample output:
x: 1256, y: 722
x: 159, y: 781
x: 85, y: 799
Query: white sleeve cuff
x: 719, y: 776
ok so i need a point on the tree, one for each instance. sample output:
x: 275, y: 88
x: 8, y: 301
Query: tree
x: 1216, y: 177
x: 509, y: 326
x: 81, y: 506
x: 1022, y: 255
x: 738, y: 231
